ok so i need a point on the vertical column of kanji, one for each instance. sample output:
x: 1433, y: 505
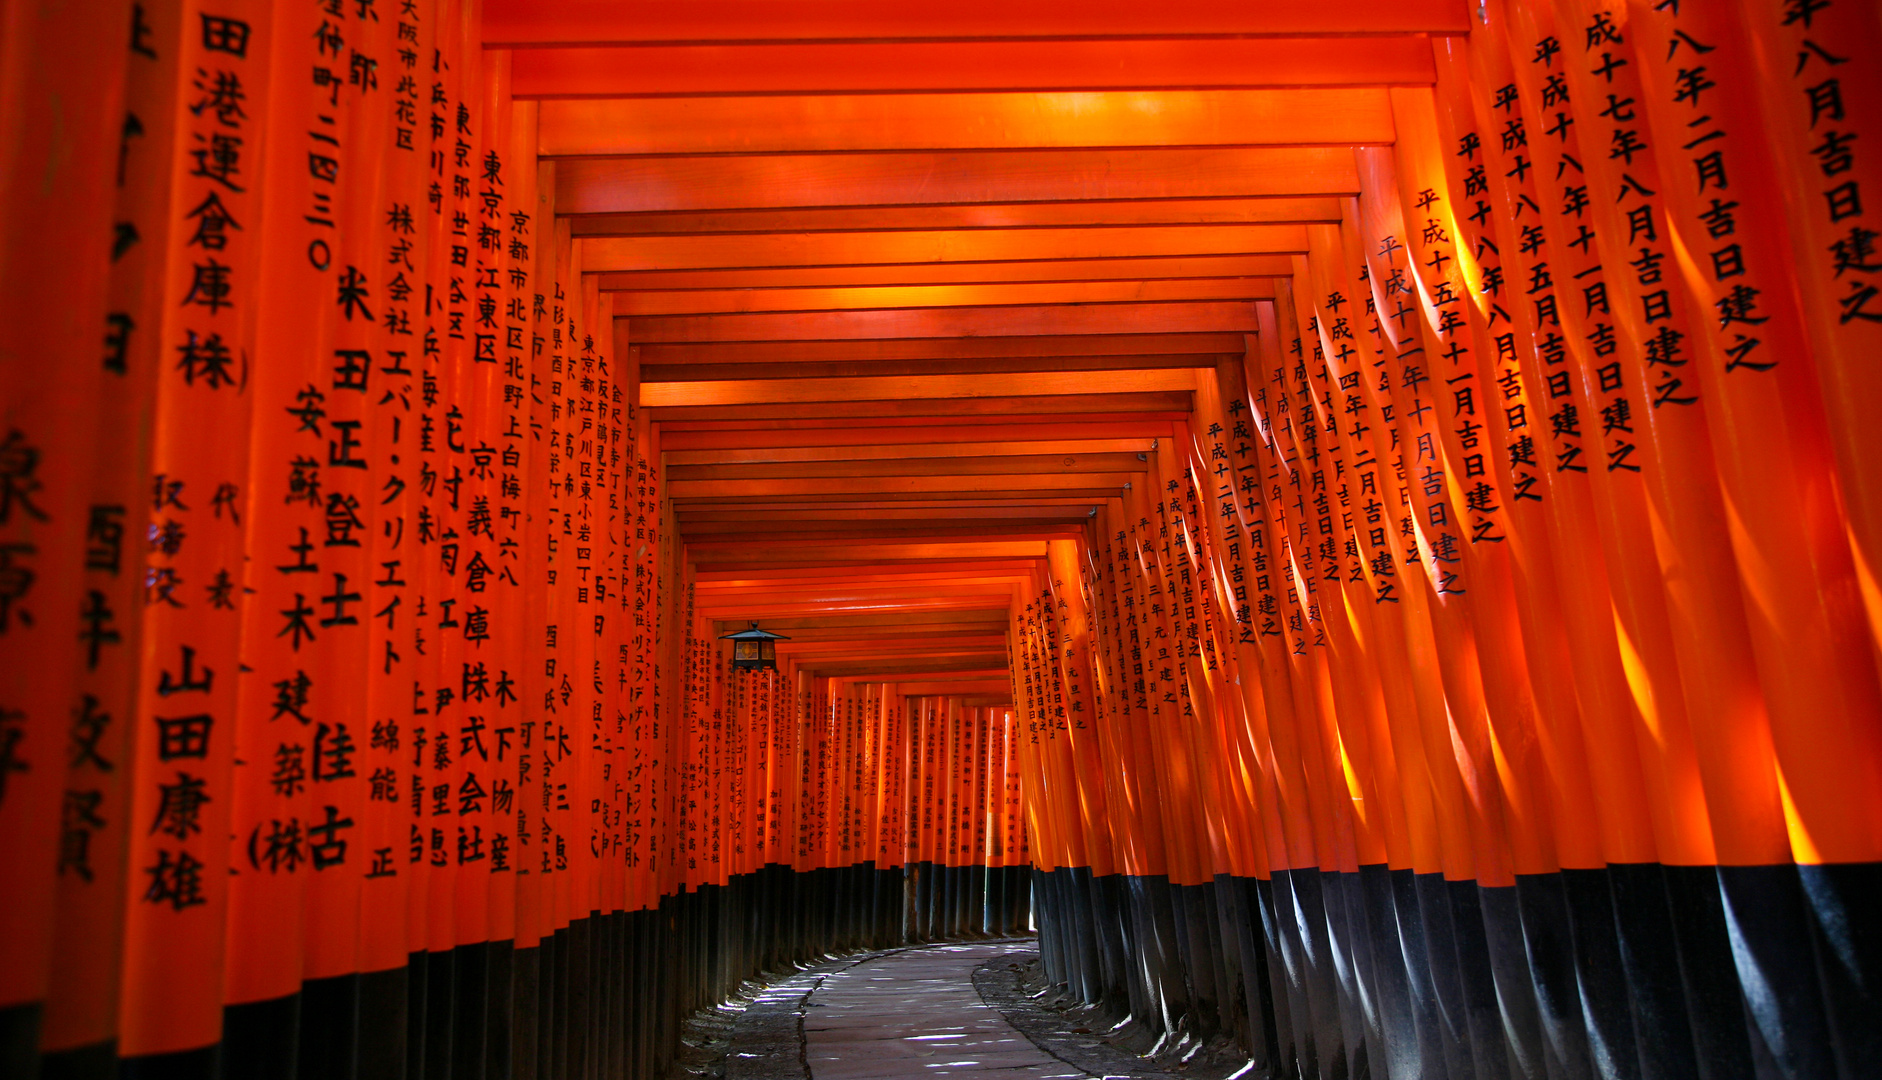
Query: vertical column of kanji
x: 1546, y: 252
x: 181, y: 793
x: 438, y: 637
x: 894, y: 780
x: 63, y: 134
x: 355, y: 42
x: 473, y: 430
x: 1136, y: 738
x: 86, y: 934
x: 1073, y: 659
x: 1109, y: 713
x: 645, y: 765
x: 1560, y: 249
x: 1280, y: 417
x: 1162, y: 708
x: 394, y: 558
x: 1290, y: 441
x: 1548, y: 507
x: 561, y: 749
x: 505, y: 189
x: 1635, y: 363
x: 1807, y: 631
x: 1426, y: 528
x: 421, y: 567
x: 1818, y: 77
x: 1262, y: 473
x: 1397, y: 640
x: 1656, y: 317
x: 551, y: 406
x: 300, y: 226
x: 524, y: 487
x: 1445, y: 269
x: 915, y: 848
x: 1015, y: 826
x: 604, y: 575
x: 618, y: 474
x: 534, y: 910
x: 1212, y: 649
x: 1360, y: 672
x: 717, y: 757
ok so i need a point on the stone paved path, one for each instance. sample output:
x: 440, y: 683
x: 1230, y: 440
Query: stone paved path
x: 916, y: 1014
x: 908, y: 1014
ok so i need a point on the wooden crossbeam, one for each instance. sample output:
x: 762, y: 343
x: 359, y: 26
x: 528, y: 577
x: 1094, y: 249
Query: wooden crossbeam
x: 613, y: 253
x: 858, y: 369
x: 1177, y: 317
x: 864, y: 123
x: 887, y: 485
x: 877, y: 66
x: 520, y: 23
x: 864, y: 349
x: 731, y: 301
x: 1026, y: 464
x: 909, y: 387
x: 616, y: 185
x: 883, y: 450
x: 997, y: 216
x: 1149, y: 268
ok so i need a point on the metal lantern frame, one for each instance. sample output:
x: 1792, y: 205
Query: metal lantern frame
x: 754, y: 649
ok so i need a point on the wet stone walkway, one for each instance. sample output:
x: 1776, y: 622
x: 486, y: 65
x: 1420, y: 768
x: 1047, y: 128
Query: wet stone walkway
x: 907, y: 1013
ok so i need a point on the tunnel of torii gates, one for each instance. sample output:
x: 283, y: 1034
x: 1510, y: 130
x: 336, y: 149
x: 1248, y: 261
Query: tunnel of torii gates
x: 1358, y: 520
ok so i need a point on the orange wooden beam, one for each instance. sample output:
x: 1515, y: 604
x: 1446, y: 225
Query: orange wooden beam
x: 884, y: 450
x: 872, y: 552
x: 928, y: 570
x: 518, y: 23
x: 884, y: 485
x: 614, y: 253
x: 1046, y: 464
x: 863, y: 123
x: 730, y: 301
x: 1164, y: 404
x: 639, y: 184
x: 865, y: 349
x: 994, y: 216
x: 830, y: 67
x: 1158, y: 268
x: 1201, y: 315
x: 858, y: 369
x: 919, y: 387
x: 990, y: 690
x: 911, y: 622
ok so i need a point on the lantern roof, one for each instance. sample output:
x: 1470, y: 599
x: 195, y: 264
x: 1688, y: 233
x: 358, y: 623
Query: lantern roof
x: 754, y: 634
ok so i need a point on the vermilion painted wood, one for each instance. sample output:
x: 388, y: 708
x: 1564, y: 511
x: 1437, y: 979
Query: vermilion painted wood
x: 1312, y: 116
x: 879, y: 451
x: 905, y: 66
x: 519, y: 23
x: 881, y: 485
x: 861, y: 438
x: 630, y: 185
x: 751, y: 352
x: 1158, y: 404
x: 1157, y: 268
x: 995, y: 216
x: 723, y: 301
x: 1212, y: 315
x: 603, y: 254
x: 1045, y: 464
x: 923, y: 387
x: 937, y: 569
x: 870, y: 369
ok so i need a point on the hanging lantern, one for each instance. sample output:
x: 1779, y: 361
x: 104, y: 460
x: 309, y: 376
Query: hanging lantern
x: 754, y: 649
